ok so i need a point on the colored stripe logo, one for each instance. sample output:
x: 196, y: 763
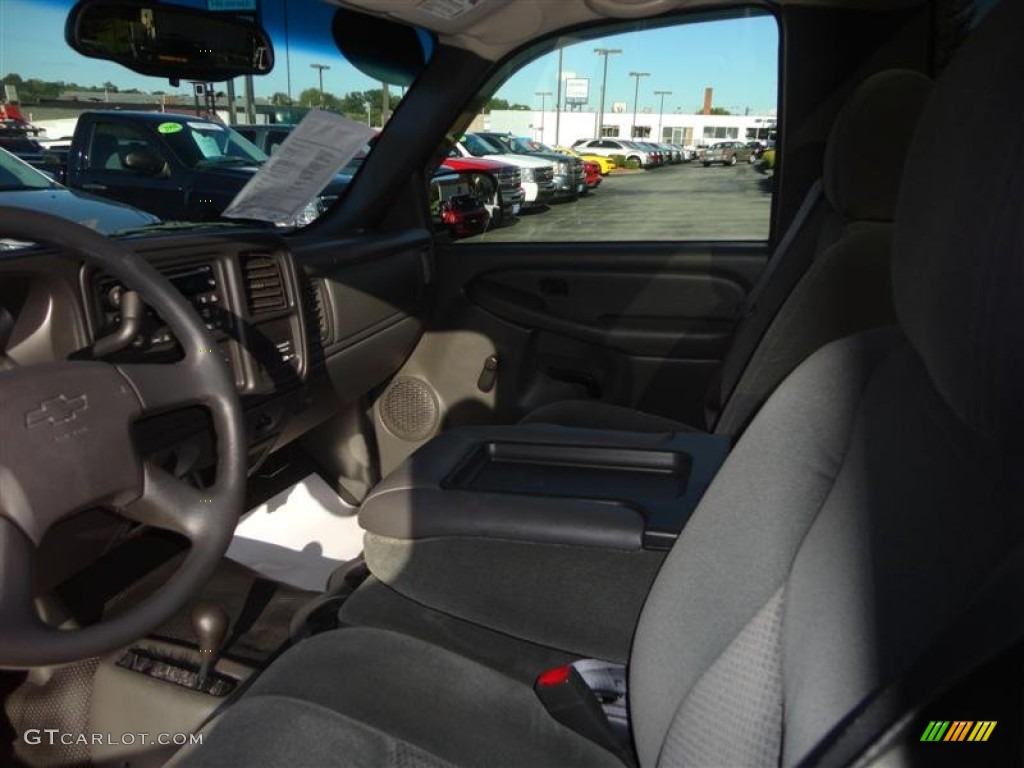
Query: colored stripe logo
x: 958, y: 730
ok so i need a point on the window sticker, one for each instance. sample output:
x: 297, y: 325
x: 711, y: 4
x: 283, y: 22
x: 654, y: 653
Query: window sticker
x: 207, y: 145
x: 319, y: 146
x: 170, y: 127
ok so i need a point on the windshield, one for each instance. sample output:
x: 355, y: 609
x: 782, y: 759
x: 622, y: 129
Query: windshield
x: 159, y: 163
x: 478, y: 146
x: 535, y: 146
x: 524, y: 146
x: 16, y: 174
x: 200, y: 143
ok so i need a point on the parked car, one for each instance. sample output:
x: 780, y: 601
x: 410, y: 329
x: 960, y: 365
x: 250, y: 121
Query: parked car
x: 506, y: 199
x: 177, y: 167
x: 20, y: 139
x: 568, y: 178
x: 22, y: 186
x: 608, y: 147
x: 757, y: 149
x: 592, y: 174
x: 657, y: 156
x: 604, y: 162
x: 674, y: 153
x: 726, y: 153
x: 268, y: 137
x: 538, y: 175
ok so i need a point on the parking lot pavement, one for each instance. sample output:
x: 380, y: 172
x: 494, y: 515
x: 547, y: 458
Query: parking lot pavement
x: 678, y: 202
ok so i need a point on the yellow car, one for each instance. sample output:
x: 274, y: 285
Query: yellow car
x: 606, y: 163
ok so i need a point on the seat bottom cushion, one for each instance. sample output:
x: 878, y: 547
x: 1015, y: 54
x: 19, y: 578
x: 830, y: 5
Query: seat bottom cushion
x: 363, y: 696
x: 595, y: 414
x: 279, y: 730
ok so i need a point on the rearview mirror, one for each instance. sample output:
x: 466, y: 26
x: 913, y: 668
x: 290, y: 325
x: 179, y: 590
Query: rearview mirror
x: 171, y: 41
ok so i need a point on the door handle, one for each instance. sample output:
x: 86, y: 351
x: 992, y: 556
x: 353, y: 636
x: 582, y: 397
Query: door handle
x: 95, y: 187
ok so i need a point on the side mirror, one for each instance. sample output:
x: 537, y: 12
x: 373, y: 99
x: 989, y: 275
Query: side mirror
x: 56, y: 164
x: 455, y: 210
x: 145, y: 162
x: 172, y: 41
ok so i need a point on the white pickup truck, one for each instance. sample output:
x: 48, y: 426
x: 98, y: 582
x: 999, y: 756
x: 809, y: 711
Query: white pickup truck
x: 538, y: 175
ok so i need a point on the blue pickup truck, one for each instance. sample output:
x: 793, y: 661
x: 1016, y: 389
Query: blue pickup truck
x: 177, y: 167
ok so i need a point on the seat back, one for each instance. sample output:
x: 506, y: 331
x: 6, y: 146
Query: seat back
x: 878, y: 488
x: 104, y: 152
x: 830, y: 278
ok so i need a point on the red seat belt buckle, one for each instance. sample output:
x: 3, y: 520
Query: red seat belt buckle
x: 569, y: 700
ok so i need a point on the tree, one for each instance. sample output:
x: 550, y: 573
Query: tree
x: 311, y: 97
x: 280, y: 100
x: 715, y: 111
x: 494, y: 104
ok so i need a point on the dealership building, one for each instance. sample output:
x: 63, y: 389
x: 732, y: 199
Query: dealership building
x: 563, y: 128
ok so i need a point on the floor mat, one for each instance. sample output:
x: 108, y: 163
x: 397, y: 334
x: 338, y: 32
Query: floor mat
x: 299, y: 536
x: 61, y: 701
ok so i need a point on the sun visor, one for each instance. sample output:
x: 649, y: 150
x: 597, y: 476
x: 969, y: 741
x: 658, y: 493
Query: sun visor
x: 382, y: 49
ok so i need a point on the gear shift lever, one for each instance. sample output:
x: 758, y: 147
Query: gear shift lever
x: 210, y: 625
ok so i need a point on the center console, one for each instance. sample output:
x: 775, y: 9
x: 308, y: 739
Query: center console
x: 549, y: 533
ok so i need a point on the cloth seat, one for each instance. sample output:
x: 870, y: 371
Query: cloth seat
x: 828, y: 278
x: 869, y: 501
x: 405, y: 703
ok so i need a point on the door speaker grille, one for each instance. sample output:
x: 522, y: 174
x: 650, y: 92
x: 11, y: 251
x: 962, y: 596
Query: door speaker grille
x: 409, y: 409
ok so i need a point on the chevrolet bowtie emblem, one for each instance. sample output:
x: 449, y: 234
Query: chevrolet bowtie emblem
x: 57, y: 410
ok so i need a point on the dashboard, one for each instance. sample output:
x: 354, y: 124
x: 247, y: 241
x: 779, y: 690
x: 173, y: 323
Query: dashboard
x: 250, y: 298
x: 305, y: 330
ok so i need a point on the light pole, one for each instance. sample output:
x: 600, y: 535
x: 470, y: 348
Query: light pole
x: 320, y: 71
x: 661, y: 110
x: 543, y: 95
x: 636, y: 96
x: 558, y: 97
x: 605, y: 52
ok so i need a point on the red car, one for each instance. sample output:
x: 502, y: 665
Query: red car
x: 464, y: 215
x: 454, y: 206
x: 508, y: 199
x: 591, y: 174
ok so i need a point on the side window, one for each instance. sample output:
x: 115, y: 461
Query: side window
x: 636, y: 111
x: 111, y: 142
x: 274, y: 140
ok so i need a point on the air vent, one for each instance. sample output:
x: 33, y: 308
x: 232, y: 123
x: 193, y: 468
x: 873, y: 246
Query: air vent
x: 264, y: 286
x: 318, y: 318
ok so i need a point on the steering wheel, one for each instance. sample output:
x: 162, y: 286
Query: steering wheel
x: 66, y: 446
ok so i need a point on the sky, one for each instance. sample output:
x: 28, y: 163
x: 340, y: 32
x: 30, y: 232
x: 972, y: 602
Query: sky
x: 737, y: 57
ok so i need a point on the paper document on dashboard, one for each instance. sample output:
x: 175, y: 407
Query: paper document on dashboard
x: 304, y: 163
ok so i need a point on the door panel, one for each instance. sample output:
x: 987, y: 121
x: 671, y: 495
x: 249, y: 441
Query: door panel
x: 643, y: 325
x: 665, y: 314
